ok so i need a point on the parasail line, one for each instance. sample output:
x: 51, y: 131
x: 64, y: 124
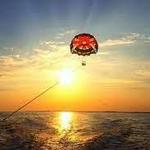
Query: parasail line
x: 30, y: 101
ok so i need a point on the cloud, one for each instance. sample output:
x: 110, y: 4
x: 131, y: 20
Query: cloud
x: 144, y: 73
x: 141, y: 37
x: 9, y: 63
x: 51, y: 45
x: 147, y: 40
x: 45, y: 55
x: 116, y: 42
x: 66, y: 33
x: 5, y: 89
x: 55, y: 51
x: 1, y: 75
x: 127, y: 40
x: 52, y: 54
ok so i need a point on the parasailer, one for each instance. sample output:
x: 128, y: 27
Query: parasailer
x: 84, y: 44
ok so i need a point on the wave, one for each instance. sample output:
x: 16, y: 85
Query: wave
x: 36, y: 133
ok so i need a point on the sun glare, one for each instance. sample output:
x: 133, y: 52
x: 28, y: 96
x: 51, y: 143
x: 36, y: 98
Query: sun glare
x: 66, y: 76
x: 65, y: 120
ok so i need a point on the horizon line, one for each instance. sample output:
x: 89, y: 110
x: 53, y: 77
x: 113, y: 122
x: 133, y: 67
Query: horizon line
x: 90, y: 111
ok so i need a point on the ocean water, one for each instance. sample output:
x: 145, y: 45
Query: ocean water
x: 75, y: 131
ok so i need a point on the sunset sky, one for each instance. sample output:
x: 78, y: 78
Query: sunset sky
x: 34, y: 47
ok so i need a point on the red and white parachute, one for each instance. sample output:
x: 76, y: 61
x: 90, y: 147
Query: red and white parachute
x: 84, y: 44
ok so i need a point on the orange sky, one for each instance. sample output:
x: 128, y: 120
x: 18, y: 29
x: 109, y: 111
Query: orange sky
x: 111, y: 80
x: 89, y: 91
x: 35, y: 41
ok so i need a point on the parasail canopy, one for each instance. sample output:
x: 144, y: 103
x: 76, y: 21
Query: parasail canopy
x: 84, y: 44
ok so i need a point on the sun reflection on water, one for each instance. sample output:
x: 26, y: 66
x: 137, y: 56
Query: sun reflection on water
x: 65, y: 121
x: 67, y: 126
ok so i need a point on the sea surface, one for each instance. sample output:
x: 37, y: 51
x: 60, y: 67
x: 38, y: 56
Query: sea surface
x: 75, y: 131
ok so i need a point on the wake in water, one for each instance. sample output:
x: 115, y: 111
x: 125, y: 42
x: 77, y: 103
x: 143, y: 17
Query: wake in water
x: 76, y: 131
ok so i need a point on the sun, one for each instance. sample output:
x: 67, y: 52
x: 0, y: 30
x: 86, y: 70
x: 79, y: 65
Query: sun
x: 66, y: 76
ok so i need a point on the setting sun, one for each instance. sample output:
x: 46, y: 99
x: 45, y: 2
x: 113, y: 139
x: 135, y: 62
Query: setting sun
x: 66, y: 76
